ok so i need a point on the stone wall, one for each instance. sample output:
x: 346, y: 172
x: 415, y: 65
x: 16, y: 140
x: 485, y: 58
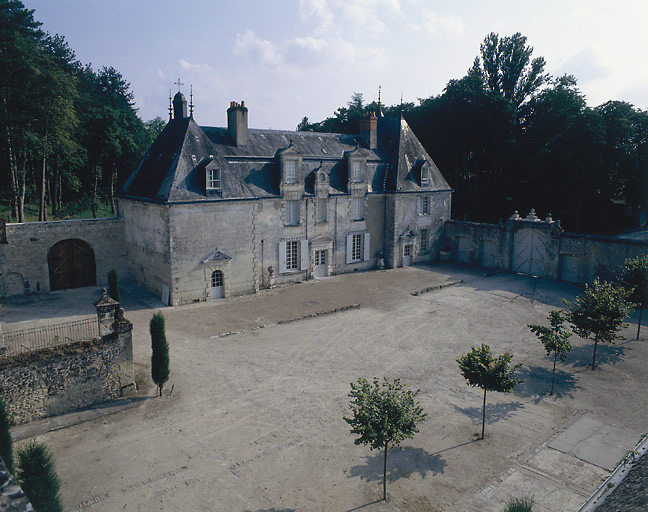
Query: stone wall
x: 553, y: 253
x: 60, y: 379
x: 23, y: 258
x: 12, y: 498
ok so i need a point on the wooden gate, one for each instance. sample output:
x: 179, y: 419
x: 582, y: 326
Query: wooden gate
x: 71, y: 265
x: 529, y: 251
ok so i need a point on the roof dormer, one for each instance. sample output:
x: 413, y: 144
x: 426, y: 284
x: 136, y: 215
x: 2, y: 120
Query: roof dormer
x: 290, y: 164
x: 357, y: 166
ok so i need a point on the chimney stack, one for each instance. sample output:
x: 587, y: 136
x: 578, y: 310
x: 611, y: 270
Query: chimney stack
x: 237, y: 123
x: 369, y: 130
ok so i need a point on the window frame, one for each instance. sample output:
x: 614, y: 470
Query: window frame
x: 424, y: 239
x: 425, y: 205
x: 356, y: 174
x: 357, y: 208
x: 211, y: 179
x: 292, y: 256
x: 290, y: 171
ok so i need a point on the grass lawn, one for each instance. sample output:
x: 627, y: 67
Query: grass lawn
x: 76, y: 211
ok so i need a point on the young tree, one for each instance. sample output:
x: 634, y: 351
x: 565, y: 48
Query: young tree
x: 481, y: 369
x: 38, y: 479
x: 383, y: 414
x: 6, y: 451
x: 599, y: 313
x: 555, y: 339
x: 160, y: 351
x: 635, y: 279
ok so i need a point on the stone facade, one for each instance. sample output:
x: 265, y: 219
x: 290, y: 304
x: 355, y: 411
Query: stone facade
x: 64, y: 378
x: 24, y: 252
x: 539, y: 247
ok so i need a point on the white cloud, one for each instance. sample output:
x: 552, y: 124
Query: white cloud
x: 436, y: 24
x: 161, y: 75
x: 591, y: 63
x: 259, y: 50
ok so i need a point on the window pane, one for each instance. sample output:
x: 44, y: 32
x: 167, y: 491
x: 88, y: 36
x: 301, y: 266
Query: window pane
x: 292, y: 253
x: 213, y: 179
x: 424, y: 240
x: 356, y: 252
x: 292, y: 213
x: 290, y: 171
x: 356, y: 172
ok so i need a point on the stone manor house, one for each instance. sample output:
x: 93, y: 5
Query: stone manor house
x: 218, y: 212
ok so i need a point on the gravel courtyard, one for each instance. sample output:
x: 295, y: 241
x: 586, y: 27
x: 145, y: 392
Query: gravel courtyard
x: 255, y: 419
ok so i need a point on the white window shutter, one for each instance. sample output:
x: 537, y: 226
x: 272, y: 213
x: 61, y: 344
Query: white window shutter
x: 304, y: 255
x: 282, y: 257
x: 367, y: 251
x: 349, y: 249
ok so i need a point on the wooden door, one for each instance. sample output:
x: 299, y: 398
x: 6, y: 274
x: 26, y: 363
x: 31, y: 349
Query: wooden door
x: 71, y: 265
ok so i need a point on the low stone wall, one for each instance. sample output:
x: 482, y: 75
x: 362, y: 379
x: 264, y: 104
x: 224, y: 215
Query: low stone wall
x: 64, y: 378
x: 12, y: 498
x: 539, y: 247
x: 24, y: 249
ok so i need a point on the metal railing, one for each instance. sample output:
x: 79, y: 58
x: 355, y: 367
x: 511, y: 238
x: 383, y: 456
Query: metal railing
x: 35, y: 338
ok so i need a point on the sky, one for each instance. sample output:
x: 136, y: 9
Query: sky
x: 293, y: 58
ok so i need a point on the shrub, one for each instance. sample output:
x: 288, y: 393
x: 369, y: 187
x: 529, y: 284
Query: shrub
x: 519, y: 505
x: 38, y: 479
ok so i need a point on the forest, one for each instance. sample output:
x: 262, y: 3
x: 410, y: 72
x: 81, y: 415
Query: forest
x: 507, y: 136
x: 70, y: 134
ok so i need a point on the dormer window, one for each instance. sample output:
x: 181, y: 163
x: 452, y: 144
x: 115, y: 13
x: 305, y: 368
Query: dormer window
x: 356, y: 171
x: 290, y: 171
x: 425, y: 175
x: 213, y: 179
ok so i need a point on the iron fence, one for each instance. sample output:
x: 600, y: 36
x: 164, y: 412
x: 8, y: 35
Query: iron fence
x: 35, y: 338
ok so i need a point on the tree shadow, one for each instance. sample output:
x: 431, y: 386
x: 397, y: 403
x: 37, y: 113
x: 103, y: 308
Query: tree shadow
x: 494, y: 412
x: 537, y: 381
x: 606, y: 353
x: 401, y: 463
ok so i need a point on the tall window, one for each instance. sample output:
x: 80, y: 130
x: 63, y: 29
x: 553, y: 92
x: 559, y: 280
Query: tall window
x: 356, y: 171
x: 424, y: 240
x: 358, y: 208
x: 292, y: 255
x: 425, y: 205
x: 321, y: 210
x: 356, y: 247
x: 213, y: 179
x: 290, y: 171
x: 292, y: 212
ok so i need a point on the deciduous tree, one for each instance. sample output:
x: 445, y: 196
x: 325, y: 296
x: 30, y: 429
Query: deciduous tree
x: 384, y: 413
x: 481, y: 369
x: 554, y: 338
x: 635, y: 279
x: 599, y: 313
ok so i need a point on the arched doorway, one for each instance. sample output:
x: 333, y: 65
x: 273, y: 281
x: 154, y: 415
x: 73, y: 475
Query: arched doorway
x: 71, y: 265
x: 217, y: 285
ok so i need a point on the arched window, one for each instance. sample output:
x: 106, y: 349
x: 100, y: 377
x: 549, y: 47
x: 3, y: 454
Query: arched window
x: 216, y: 278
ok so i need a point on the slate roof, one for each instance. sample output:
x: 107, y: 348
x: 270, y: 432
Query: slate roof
x: 173, y: 170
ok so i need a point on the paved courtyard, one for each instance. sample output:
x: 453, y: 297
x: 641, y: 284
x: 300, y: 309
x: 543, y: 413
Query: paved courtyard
x: 255, y: 419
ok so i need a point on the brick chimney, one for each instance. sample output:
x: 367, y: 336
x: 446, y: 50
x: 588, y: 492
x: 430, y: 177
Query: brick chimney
x: 369, y: 130
x: 237, y: 123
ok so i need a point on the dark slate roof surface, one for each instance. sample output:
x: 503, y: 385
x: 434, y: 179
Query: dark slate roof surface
x: 173, y: 170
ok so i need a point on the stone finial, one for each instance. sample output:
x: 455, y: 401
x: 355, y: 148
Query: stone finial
x: 532, y: 215
x: 515, y: 216
x: 549, y: 219
x: 106, y: 311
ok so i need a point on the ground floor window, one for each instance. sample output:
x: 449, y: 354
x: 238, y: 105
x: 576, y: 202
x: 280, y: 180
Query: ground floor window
x: 357, y: 247
x: 293, y: 255
x: 216, y: 278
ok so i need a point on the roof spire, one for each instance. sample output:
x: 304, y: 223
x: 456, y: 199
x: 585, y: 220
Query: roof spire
x: 170, y: 107
x: 379, y: 113
x: 178, y: 83
x: 191, y: 101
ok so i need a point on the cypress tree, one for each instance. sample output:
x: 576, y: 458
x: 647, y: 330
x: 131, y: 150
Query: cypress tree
x: 113, y: 284
x: 6, y: 451
x: 159, y: 351
x: 38, y: 479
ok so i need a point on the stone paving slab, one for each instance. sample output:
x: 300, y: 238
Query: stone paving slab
x: 595, y: 442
